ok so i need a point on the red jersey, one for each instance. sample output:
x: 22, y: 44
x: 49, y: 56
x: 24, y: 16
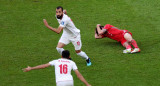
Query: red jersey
x: 113, y: 32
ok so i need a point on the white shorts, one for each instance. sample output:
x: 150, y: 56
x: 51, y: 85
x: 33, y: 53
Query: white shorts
x: 65, y: 83
x: 76, y: 41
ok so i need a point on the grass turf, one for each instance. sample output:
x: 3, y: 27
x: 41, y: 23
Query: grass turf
x: 26, y: 41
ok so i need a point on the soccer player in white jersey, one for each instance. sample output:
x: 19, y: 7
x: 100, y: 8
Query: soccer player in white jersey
x: 63, y: 67
x: 70, y: 34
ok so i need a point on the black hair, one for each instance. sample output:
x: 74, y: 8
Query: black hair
x: 66, y: 54
x: 100, y: 28
x: 60, y: 7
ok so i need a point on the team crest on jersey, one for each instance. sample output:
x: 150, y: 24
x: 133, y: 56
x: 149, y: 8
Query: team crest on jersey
x: 78, y: 43
x: 62, y: 22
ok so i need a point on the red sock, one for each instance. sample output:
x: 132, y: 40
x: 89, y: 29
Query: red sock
x: 134, y: 43
x: 128, y: 46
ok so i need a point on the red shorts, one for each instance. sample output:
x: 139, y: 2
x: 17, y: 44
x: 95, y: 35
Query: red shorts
x: 123, y: 40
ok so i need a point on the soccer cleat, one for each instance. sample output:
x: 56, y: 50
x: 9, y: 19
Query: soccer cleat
x: 88, y: 62
x: 136, y: 50
x: 127, y: 51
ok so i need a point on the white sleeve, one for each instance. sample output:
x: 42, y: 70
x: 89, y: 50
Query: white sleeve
x: 74, y: 66
x: 63, y: 23
x: 52, y: 63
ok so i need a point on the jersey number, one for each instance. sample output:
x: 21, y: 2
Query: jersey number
x: 63, y: 69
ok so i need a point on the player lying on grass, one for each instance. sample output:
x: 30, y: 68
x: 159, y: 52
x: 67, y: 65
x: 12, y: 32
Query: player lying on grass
x: 70, y: 33
x: 123, y: 36
x: 63, y: 67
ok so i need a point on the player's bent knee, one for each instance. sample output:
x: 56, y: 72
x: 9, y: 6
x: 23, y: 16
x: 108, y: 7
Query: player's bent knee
x: 128, y: 37
x: 78, y: 51
x: 125, y: 44
x: 60, y: 45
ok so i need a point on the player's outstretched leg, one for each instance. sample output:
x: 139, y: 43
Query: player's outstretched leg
x: 136, y: 48
x: 84, y: 55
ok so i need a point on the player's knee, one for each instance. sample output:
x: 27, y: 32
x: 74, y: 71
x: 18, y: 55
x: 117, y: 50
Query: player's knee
x: 129, y: 39
x: 78, y: 51
x: 125, y: 44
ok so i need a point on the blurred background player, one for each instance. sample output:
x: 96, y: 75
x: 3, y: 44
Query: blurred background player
x: 70, y: 33
x: 123, y: 36
x: 63, y: 67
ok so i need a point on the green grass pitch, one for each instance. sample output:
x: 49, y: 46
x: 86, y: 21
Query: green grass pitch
x: 24, y: 40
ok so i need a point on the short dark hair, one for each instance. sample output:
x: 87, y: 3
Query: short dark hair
x: 66, y: 54
x: 100, y: 28
x: 60, y: 7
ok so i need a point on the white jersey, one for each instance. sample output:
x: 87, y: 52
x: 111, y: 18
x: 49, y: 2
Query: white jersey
x: 69, y: 28
x: 63, y: 69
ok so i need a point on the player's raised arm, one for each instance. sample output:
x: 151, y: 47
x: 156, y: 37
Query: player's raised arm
x: 97, y: 36
x: 51, y: 28
x: 36, y: 67
x: 79, y: 75
x: 65, y: 11
x: 100, y: 31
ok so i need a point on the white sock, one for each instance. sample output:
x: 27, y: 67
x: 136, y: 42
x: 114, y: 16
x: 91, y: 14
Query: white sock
x: 59, y: 50
x: 83, y: 55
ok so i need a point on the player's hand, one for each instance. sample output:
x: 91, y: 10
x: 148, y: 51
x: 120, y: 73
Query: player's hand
x: 98, y: 25
x: 45, y: 22
x: 88, y: 85
x: 27, y: 69
x: 65, y: 11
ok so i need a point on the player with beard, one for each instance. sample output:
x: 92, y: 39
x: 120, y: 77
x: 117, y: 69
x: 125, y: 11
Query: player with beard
x: 123, y: 36
x: 70, y: 34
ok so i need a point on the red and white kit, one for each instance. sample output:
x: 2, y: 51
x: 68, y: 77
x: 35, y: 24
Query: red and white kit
x: 63, y: 69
